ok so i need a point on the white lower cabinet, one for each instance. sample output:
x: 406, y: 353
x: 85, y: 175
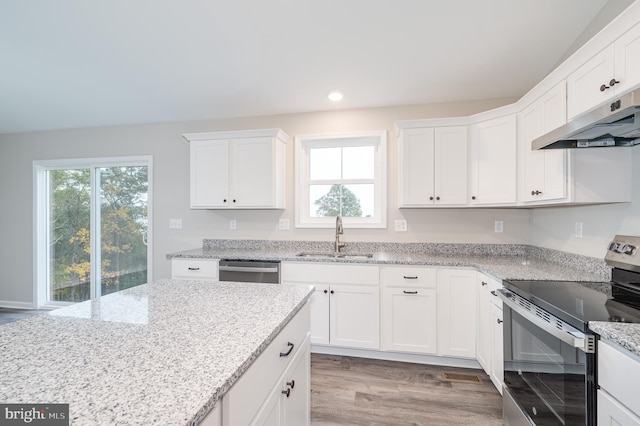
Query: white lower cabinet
x: 618, y: 373
x: 275, y: 389
x: 194, y: 269
x: 457, y: 307
x: 489, y: 350
x: 408, y: 309
x: 345, y: 308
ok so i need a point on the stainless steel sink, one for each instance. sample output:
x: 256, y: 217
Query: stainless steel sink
x: 354, y: 256
x: 317, y: 255
x: 335, y: 255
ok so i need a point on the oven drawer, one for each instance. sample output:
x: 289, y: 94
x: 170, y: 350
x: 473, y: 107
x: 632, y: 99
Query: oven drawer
x: 619, y: 375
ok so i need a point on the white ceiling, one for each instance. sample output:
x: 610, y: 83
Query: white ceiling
x: 79, y: 63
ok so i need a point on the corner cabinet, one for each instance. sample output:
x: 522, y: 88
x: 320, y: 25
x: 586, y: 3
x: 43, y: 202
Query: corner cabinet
x: 237, y: 169
x: 433, y: 167
x: 618, y: 374
x: 493, y: 161
x: 489, y: 346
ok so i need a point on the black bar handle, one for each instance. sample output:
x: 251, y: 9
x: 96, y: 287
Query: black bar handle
x: 287, y: 392
x: 494, y: 293
x: 410, y: 278
x: 291, y: 384
x: 410, y: 292
x: 291, y: 345
x: 193, y: 269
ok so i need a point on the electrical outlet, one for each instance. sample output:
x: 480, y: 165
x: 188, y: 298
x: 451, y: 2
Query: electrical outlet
x: 498, y: 226
x: 283, y: 225
x: 401, y: 225
x: 233, y: 224
x: 578, y: 230
x: 175, y: 223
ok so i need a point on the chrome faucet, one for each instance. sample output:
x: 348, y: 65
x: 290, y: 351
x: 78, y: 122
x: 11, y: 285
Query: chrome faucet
x: 339, y: 230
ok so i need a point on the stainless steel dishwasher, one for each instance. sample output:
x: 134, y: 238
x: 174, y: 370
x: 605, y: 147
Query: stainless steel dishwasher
x: 250, y: 271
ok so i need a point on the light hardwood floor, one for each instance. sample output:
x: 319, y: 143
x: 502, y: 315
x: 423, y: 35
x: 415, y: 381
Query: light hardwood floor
x: 358, y: 391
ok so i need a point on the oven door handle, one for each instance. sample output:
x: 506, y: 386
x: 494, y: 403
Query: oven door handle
x: 247, y: 269
x: 571, y: 336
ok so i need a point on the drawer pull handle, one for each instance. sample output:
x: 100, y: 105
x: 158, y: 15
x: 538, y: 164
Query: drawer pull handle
x: 499, y: 321
x: 410, y: 278
x: 483, y: 283
x: 291, y: 384
x: 494, y: 293
x: 287, y: 392
x: 410, y: 292
x: 291, y: 345
x: 191, y: 268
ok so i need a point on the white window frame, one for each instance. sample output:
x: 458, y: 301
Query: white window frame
x: 377, y: 139
x: 41, y: 219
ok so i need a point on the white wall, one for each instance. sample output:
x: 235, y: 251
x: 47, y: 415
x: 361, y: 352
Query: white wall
x: 170, y: 155
x: 554, y: 227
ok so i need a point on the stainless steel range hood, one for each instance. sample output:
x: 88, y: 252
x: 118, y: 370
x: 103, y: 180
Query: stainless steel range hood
x: 616, y: 123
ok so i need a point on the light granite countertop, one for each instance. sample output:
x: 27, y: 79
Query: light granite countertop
x: 161, y: 353
x: 501, y: 261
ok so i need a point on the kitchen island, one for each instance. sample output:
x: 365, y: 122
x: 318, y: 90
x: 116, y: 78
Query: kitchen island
x: 162, y: 353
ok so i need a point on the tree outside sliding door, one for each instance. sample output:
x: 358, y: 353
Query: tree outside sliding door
x: 92, y: 228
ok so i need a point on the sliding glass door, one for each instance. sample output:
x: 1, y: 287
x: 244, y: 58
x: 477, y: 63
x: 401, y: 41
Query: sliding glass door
x: 92, y: 228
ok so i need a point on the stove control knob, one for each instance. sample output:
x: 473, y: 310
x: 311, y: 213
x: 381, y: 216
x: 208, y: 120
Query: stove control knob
x: 628, y: 249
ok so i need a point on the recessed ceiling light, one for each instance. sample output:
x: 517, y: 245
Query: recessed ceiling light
x: 335, y: 95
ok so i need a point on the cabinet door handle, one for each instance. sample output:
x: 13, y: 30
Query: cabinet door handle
x: 430, y: 198
x: 410, y: 292
x: 613, y: 82
x: 437, y: 198
x: 410, y: 278
x: 499, y: 321
x: 234, y: 201
x: 493, y: 292
x: 191, y: 268
x: 291, y: 384
x: 603, y: 87
x: 224, y: 201
x: 287, y: 353
x: 483, y: 283
x: 326, y: 291
x: 287, y: 392
x: 332, y: 291
x: 473, y: 197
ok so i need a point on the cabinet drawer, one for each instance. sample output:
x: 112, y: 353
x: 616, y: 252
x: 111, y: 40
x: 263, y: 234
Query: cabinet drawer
x: 408, y: 276
x: 618, y: 374
x: 317, y: 273
x: 194, y: 269
x: 244, y: 399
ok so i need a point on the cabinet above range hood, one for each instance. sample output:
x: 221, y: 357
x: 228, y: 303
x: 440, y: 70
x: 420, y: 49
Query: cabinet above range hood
x: 616, y: 123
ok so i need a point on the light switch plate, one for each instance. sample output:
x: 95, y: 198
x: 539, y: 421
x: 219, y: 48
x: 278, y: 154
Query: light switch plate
x: 175, y: 223
x: 578, y: 230
x: 233, y: 225
x: 401, y: 225
x: 499, y: 226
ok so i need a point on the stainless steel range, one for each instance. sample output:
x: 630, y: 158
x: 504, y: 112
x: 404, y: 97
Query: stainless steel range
x: 549, y: 352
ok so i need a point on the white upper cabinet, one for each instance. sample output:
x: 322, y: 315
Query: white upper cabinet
x: 613, y: 70
x: 493, y: 161
x: 543, y: 173
x: 433, y: 167
x: 244, y: 169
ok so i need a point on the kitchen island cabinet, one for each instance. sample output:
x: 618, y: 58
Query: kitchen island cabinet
x: 165, y: 353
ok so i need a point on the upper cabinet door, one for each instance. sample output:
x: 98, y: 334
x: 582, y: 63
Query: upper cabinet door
x: 239, y: 169
x: 588, y: 86
x: 544, y: 172
x: 451, y: 176
x: 252, y: 171
x: 209, y: 171
x: 627, y: 57
x: 416, y: 167
x: 493, y: 161
x: 433, y: 167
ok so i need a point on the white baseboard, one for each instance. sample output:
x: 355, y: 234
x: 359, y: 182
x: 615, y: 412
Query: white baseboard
x: 16, y: 305
x: 396, y: 356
